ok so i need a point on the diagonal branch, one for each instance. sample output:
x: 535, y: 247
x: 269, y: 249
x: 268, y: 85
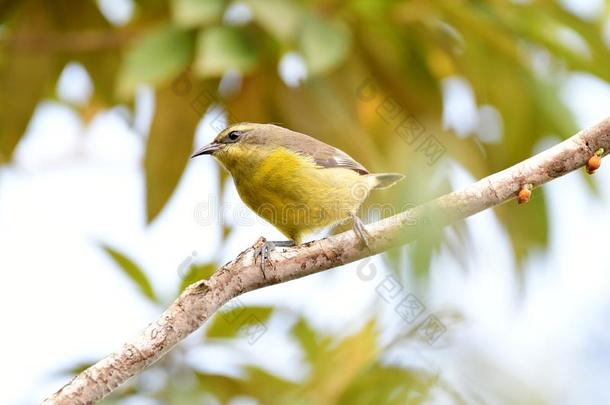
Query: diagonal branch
x: 201, y: 299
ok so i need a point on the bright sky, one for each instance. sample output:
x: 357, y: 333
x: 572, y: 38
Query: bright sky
x: 63, y: 301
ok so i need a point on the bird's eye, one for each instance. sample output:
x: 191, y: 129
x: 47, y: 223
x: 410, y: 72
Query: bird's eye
x: 233, y: 135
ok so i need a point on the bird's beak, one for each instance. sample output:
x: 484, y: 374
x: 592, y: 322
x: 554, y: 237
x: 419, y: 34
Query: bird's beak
x: 207, y: 150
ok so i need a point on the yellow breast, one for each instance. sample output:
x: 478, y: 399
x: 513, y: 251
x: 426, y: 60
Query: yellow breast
x: 290, y: 191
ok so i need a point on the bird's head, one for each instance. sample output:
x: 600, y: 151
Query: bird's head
x: 241, y: 138
x: 231, y: 135
x: 244, y: 145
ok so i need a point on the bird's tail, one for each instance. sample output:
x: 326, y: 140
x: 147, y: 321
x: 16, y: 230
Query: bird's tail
x: 385, y: 180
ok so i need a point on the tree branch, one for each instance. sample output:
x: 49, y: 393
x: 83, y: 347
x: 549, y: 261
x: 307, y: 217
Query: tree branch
x: 201, y: 299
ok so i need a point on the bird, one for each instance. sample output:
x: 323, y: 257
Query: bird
x: 295, y: 182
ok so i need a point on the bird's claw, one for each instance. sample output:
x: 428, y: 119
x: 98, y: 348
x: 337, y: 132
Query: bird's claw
x: 265, y: 249
x: 263, y: 252
x: 360, y: 231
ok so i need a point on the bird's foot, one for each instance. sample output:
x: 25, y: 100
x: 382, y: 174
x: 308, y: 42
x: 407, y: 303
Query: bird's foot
x: 360, y: 231
x: 266, y: 248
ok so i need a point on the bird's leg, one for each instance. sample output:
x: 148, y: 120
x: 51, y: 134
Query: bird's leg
x: 268, y: 247
x: 360, y: 231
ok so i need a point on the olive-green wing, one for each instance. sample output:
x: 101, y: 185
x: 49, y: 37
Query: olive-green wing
x: 323, y: 154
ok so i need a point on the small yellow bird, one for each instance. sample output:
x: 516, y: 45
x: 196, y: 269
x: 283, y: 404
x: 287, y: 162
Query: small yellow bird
x: 293, y: 181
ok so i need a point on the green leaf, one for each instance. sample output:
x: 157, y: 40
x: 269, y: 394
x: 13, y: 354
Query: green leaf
x: 220, y: 49
x: 227, y: 324
x: 527, y: 224
x: 270, y: 389
x: 103, y: 67
x: 308, y: 339
x: 422, y: 250
x: 282, y: 18
x: 132, y: 271
x: 389, y: 385
x: 193, y: 13
x: 224, y: 388
x: 155, y: 58
x: 23, y: 81
x: 75, y: 369
x: 26, y: 76
x: 74, y: 17
x: 170, y: 142
x: 556, y: 116
x: 324, y: 44
x: 335, y: 367
x: 195, y: 273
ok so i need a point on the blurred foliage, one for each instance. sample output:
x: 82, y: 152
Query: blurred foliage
x: 348, y: 369
x: 133, y: 272
x: 345, y: 370
x: 374, y: 88
x: 404, y: 49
